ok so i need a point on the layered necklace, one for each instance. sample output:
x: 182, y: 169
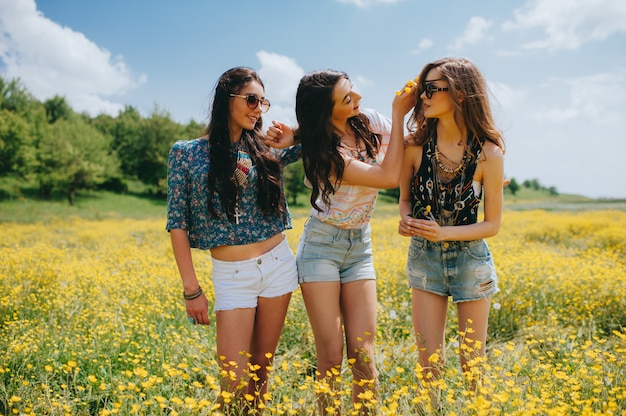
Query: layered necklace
x: 445, y: 168
x: 451, y: 189
x: 243, y: 165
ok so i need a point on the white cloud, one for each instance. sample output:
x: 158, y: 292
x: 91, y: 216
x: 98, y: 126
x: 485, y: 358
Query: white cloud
x: 561, y: 129
x: 598, y: 99
x: 506, y: 103
x: 281, y: 75
x: 475, y: 32
x: 570, y: 23
x: 422, y: 46
x: 365, y: 3
x: 361, y: 82
x: 53, y: 60
x: 506, y: 95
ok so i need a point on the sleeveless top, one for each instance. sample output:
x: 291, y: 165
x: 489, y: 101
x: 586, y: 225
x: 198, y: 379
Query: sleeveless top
x: 453, y: 203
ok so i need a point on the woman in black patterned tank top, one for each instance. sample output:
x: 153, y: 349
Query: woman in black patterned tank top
x: 455, y: 157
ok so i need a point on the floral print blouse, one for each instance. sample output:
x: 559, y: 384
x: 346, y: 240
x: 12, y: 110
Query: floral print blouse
x: 187, y: 200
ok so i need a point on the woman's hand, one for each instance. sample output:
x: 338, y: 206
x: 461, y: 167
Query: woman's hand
x: 427, y: 229
x: 198, y: 309
x: 404, y: 227
x: 405, y: 99
x: 279, y: 135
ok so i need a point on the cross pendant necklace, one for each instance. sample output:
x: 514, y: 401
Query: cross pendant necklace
x: 237, y: 214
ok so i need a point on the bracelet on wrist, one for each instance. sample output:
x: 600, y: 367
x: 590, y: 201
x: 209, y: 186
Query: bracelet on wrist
x: 193, y: 295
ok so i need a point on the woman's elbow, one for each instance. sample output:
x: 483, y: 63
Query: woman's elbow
x: 390, y: 181
x: 390, y: 184
x: 492, y: 229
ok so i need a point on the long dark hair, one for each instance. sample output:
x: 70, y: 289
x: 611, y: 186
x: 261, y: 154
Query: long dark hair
x: 323, y: 164
x: 221, y: 178
x: 469, y: 93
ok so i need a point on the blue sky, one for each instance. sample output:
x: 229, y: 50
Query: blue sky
x: 556, y: 68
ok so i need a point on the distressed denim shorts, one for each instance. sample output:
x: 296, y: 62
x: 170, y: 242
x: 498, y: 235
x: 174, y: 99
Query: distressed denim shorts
x: 330, y: 254
x: 239, y: 284
x: 461, y: 269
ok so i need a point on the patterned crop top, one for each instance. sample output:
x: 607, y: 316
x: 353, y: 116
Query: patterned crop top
x: 187, y: 200
x: 453, y: 203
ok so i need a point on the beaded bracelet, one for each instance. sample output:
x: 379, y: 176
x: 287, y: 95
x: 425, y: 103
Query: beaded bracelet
x: 193, y: 295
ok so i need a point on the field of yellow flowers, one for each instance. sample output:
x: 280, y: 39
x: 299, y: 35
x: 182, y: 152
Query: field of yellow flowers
x: 92, y: 322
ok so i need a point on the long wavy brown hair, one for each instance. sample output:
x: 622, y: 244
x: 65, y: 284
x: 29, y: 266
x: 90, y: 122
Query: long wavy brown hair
x: 222, y: 165
x: 323, y: 164
x: 469, y: 93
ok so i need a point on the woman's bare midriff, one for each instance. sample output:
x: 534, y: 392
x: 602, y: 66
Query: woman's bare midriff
x: 246, y: 251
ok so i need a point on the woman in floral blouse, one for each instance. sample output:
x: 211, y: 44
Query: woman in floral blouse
x: 225, y: 195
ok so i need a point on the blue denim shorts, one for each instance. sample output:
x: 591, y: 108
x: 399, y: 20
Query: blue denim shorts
x: 330, y: 254
x: 239, y: 284
x: 461, y: 269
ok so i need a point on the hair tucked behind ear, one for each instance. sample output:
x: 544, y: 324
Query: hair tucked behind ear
x: 222, y: 165
x: 470, y: 95
x: 323, y: 164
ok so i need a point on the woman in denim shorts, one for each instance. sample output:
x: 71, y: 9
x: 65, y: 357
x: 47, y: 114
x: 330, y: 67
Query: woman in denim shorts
x: 455, y: 157
x: 348, y: 154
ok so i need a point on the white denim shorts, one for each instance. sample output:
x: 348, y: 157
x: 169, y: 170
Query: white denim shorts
x: 239, y: 284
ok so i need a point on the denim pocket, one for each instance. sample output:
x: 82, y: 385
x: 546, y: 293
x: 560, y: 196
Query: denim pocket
x: 416, y: 248
x: 478, y: 250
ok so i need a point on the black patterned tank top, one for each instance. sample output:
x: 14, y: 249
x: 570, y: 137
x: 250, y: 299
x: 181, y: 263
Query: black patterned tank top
x: 453, y: 203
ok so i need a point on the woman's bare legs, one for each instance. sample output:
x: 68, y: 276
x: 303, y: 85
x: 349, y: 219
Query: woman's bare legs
x: 244, y: 337
x: 322, y: 304
x: 358, y: 304
x: 473, y: 319
x: 327, y: 303
x: 429, y: 322
x: 270, y: 319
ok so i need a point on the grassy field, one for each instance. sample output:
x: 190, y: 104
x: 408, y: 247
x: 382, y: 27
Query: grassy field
x: 92, y: 321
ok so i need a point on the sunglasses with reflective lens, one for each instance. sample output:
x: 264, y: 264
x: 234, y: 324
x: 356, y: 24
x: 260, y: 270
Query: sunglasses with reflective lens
x: 253, y: 101
x: 430, y: 89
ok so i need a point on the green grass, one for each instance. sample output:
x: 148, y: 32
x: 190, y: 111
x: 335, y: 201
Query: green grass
x: 23, y: 206
x: 89, y: 205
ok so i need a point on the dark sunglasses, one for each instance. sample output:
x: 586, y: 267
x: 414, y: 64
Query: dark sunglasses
x: 253, y: 101
x: 430, y: 89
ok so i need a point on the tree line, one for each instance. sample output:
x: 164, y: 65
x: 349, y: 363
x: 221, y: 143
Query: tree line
x: 49, y: 146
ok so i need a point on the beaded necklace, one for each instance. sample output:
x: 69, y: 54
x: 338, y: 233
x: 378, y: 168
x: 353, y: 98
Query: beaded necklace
x: 242, y: 170
x: 447, y: 170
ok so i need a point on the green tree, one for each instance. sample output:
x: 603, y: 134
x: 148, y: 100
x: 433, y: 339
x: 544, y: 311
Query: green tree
x: 193, y: 130
x: 293, y: 178
x: 513, y: 186
x: 14, y: 142
x: 57, y: 108
x: 14, y: 97
x: 74, y: 155
x: 156, y: 135
x: 22, y: 121
x: 532, y: 184
x: 124, y: 130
